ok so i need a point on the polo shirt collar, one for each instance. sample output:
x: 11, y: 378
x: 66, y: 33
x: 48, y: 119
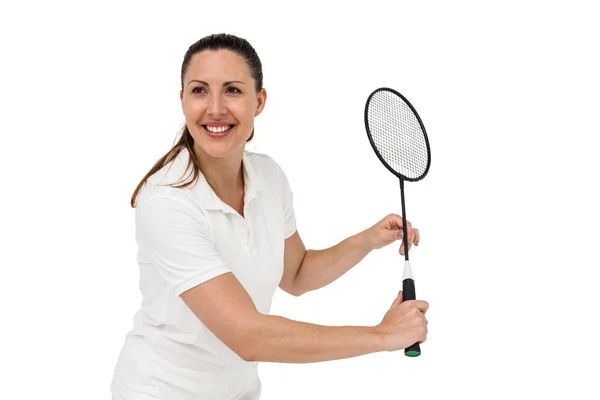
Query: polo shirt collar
x: 208, y: 197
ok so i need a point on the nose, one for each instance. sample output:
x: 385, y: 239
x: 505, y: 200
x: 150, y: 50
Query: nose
x: 216, y: 106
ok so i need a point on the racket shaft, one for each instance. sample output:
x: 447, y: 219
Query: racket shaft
x: 404, y: 225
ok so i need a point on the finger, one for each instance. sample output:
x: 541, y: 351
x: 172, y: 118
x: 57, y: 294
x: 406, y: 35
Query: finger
x: 395, y: 220
x: 422, y: 305
x: 411, y: 236
x: 408, y: 225
x: 417, y: 237
x: 397, y: 300
x: 402, y: 246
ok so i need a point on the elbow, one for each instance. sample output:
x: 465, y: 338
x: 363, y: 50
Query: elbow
x: 293, y: 290
x: 296, y: 292
x: 246, y: 354
x: 251, y: 343
x: 297, y: 289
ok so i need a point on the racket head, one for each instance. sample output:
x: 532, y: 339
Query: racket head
x: 397, y: 134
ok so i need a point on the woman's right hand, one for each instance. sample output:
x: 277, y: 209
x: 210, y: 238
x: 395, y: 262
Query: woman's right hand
x: 404, y: 324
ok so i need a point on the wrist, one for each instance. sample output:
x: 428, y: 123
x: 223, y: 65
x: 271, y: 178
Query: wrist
x: 379, y: 338
x: 363, y: 242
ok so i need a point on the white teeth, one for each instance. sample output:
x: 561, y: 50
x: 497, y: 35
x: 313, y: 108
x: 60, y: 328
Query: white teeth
x: 218, y: 129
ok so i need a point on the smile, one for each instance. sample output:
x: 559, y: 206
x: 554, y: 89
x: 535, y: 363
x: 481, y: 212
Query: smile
x: 218, y: 129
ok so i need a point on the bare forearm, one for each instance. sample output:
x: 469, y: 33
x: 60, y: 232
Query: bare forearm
x: 321, y: 267
x: 278, y: 339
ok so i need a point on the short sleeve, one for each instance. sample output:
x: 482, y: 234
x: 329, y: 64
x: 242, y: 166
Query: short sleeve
x: 289, y: 226
x: 176, y: 239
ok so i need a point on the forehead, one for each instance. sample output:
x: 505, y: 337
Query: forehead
x: 218, y: 66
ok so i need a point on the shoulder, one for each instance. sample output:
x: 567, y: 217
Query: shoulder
x: 178, y: 170
x: 161, y: 196
x: 163, y: 183
x: 265, y: 166
x: 168, y: 205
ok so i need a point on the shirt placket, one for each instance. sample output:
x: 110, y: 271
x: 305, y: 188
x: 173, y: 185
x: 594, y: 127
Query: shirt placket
x: 243, y: 230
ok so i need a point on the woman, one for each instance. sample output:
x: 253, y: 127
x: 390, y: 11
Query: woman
x: 217, y: 235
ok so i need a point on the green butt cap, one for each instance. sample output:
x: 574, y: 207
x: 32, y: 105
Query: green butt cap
x: 413, y: 353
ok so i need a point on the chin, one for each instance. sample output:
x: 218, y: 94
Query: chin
x: 218, y: 153
x: 217, y: 149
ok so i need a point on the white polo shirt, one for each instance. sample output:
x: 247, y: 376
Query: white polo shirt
x: 186, y: 237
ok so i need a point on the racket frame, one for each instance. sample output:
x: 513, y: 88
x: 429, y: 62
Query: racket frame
x: 368, y: 128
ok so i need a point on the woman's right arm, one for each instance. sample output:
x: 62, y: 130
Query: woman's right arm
x: 227, y: 310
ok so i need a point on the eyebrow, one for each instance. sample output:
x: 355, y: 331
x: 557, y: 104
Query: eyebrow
x: 224, y: 83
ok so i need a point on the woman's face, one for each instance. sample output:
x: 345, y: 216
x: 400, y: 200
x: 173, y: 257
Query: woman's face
x: 219, y: 101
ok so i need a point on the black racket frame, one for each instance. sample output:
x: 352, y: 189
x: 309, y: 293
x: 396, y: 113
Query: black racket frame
x: 368, y: 128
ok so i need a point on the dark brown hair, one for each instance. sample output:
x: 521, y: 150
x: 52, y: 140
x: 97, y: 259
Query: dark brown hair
x: 220, y: 41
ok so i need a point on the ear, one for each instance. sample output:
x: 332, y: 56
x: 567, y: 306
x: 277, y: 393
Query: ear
x: 261, y: 100
x: 181, y: 95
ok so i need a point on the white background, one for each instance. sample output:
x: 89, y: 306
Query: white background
x: 508, y: 212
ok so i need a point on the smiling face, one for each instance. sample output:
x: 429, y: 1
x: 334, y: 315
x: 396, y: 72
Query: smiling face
x: 219, y: 101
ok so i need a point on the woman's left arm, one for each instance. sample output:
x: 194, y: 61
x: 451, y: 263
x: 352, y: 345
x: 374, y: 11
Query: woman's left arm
x: 307, y: 270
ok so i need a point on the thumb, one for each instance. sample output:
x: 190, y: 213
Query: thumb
x: 397, y: 235
x: 398, y: 300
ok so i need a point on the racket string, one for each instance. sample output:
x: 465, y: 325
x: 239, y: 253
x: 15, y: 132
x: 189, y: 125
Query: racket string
x: 397, y: 134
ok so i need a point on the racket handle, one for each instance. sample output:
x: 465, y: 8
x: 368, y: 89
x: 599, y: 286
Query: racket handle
x: 408, y: 293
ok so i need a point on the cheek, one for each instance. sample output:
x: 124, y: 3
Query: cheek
x: 243, y: 109
x: 185, y: 107
x: 191, y: 108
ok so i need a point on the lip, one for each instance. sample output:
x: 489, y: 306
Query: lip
x: 217, y: 123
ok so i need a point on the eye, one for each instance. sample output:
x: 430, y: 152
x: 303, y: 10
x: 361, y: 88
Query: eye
x: 233, y: 90
x: 198, y: 90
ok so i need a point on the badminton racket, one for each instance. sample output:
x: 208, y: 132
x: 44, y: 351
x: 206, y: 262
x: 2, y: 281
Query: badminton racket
x: 400, y: 141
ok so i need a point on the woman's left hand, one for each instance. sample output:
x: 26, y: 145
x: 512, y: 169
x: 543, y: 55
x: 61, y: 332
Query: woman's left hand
x: 387, y: 231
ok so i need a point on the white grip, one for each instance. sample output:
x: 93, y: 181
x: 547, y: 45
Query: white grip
x: 407, y: 271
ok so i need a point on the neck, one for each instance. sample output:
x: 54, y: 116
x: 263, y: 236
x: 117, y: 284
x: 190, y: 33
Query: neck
x: 224, y: 175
